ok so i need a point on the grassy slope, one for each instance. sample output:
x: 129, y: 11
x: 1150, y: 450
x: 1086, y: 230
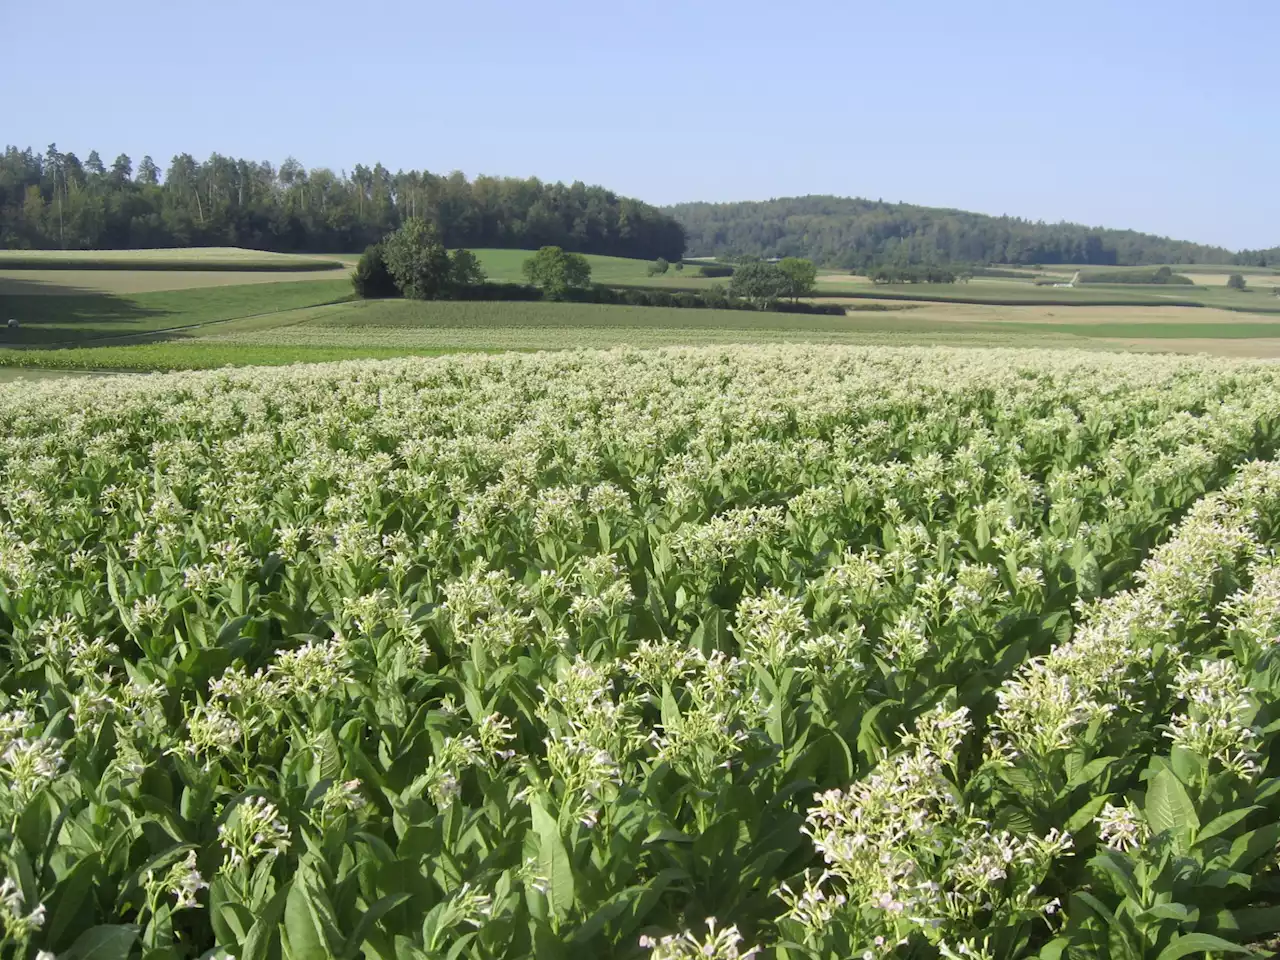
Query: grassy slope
x: 507, y: 266
x: 47, y: 320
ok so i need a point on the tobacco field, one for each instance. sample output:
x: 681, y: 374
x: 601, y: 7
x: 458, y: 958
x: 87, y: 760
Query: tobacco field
x: 806, y: 653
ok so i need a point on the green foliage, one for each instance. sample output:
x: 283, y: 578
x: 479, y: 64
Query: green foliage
x: 53, y: 201
x: 861, y: 234
x: 465, y: 270
x: 498, y: 657
x: 1160, y: 275
x: 556, y: 272
x: 800, y: 276
x: 715, y: 270
x: 371, y: 279
x: 418, y: 261
x: 927, y: 273
x: 658, y: 267
x: 759, y: 283
x: 1236, y: 281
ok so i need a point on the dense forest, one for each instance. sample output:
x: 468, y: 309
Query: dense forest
x: 861, y: 234
x: 55, y: 200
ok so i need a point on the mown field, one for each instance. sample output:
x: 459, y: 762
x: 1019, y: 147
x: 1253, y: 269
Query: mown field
x: 1260, y: 298
x: 199, y: 258
x: 384, y: 329
x: 827, y: 652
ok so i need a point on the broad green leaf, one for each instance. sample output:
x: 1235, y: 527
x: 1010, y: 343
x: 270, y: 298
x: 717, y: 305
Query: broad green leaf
x: 1191, y: 943
x: 1249, y: 847
x: 64, y: 907
x: 1223, y: 823
x: 265, y: 926
x: 375, y: 912
x: 1169, y: 808
x: 106, y: 942
x: 303, y: 927
x: 553, y: 860
x: 1120, y: 871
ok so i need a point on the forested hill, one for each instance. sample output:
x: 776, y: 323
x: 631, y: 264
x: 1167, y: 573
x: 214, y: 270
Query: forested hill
x: 854, y: 233
x: 56, y: 200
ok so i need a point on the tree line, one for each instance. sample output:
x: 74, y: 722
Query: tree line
x: 55, y: 200
x: 862, y: 235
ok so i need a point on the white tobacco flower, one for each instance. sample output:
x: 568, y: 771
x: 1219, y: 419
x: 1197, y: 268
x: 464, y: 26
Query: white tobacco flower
x: 27, y: 766
x: 1122, y: 828
x: 1218, y: 724
x: 317, y: 668
x: 812, y: 907
x: 722, y: 944
x: 183, y: 882
x: 442, y: 777
x: 253, y: 831
x: 213, y: 732
x: 343, y: 796
x: 15, y: 921
x: 770, y: 626
x: 494, y: 734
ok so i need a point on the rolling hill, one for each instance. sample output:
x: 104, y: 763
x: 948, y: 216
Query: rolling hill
x: 856, y: 233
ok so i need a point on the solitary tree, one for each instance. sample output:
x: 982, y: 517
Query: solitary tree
x: 761, y: 283
x: 418, y: 260
x: 658, y: 266
x: 800, y: 276
x: 556, y: 272
x: 1236, y: 281
x: 466, y: 270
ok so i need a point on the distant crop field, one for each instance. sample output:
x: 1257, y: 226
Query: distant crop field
x: 89, y: 282
x: 186, y: 258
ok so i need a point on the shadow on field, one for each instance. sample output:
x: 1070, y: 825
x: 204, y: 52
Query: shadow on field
x: 37, y: 305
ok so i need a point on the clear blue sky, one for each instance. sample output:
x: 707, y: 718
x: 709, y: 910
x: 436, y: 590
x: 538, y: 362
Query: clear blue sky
x: 1161, y: 116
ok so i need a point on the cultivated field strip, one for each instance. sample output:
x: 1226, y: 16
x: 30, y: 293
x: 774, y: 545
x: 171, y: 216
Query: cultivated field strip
x: 861, y: 651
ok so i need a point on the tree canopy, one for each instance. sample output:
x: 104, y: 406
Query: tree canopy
x: 759, y: 282
x: 863, y: 234
x: 799, y: 275
x: 556, y: 272
x: 412, y: 261
x: 54, y: 200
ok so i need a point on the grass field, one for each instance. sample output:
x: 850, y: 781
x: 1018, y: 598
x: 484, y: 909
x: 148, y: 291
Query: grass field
x: 507, y: 266
x: 1258, y: 299
x: 383, y: 329
x: 70, y: 317
x: 174, y: 318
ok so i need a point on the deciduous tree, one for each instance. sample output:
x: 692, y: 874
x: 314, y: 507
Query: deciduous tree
x: 759, y: 282
x: 556, y: 272
x: 800, y: 276
x: 417, y: 260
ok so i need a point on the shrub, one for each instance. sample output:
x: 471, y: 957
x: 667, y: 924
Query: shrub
x: 371, y: 279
